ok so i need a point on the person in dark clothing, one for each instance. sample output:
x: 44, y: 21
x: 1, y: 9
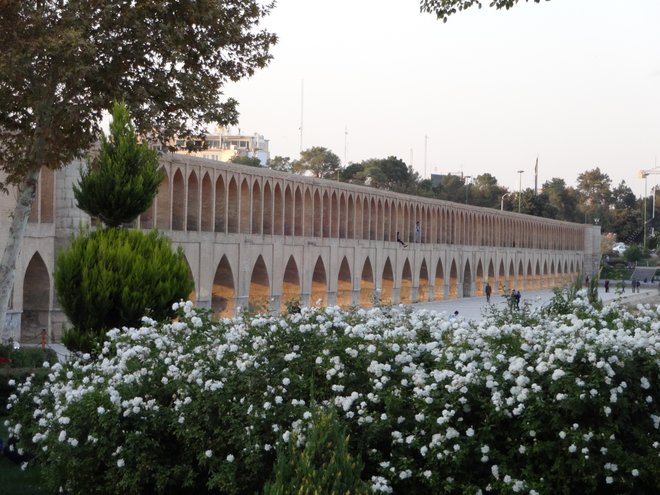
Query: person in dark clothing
x: 489, y: 291
x: 517, y: 299
x: 398, y: 239
x: 607, y: 286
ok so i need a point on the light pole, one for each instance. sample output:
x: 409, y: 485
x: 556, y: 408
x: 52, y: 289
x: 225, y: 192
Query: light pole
x: 502, y: 200
x: 520, y: 172
x: 646, y: 176
x: 467, y: 180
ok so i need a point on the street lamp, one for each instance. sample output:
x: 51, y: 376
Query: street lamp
x: 467, y: 180
x: 502, y: 200
x: 520, y: 172
x: 645, y: 175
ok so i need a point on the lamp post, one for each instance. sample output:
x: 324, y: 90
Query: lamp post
x: 467, y: 180
x: 520, y: 172
x: 502, y: 200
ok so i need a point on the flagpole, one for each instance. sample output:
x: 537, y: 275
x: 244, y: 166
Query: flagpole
x: 536, y: 176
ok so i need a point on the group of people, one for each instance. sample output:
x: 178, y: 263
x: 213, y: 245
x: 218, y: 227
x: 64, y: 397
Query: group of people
x: 514, y: 297
x: 418, y: 236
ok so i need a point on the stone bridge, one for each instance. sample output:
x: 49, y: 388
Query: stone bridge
x: 259, y: 239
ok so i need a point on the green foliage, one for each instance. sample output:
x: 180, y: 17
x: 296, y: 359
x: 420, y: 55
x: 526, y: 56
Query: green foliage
x: 319, y: 161
x: 633, y: 254
x: 250, y: 161
x: 445, y: 8
x: 112, y: 277
x: 280, y: 163
x: 26, y: 357
x: 323, y: 466
x: 124, y: 179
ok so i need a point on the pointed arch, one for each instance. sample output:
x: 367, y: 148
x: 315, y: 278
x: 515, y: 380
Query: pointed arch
x: 36, y: 300
x: 257, y: 208
x: 544, y: 281
x: 192, y: 295
x: 223, y: 294
x: 467, y: 280
x: 502, y: 286
x: 326, y: 215
x: 290, y: 284
x: 387, y: 287
x: 342, y: 216
x: 423, y: 287
x: 207, y: 204
x: 298, y: 213
x: 479, y: 283
x: 334, y: 215
x: 220, y: 205
x: 278, y: 212
x: 192, y: 205
x: 244, y: 225
x: 521, y: 275
x: 350, y: 228
x: 268, y: 209
x: 259, y: 295
x: 232, y: 207
x: 529, y: 281
x: 453, y: 281
x: 163, y: 207
x: 178, y: 201
x: 439, y: 282
x: 309, y: 214
x: 319, y: 284
x: 512, y: 275
x: 491, y: 276
x: 367, y: 285
x: 344, y: 285
x: 318, y: 215
x: 537, y: 275
x: 288, y: 211
x: 405, y: 290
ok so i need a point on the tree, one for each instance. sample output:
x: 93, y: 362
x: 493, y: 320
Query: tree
x: 280, y: 163
x: 64, y: 63
x: 250, y: 161
x: 593, y: 187
x: 390, y: 173
x: 124, y: 180
x: 444, y: 8
x: 561, y: 199
x: 319, y: 161
x: 485, y: 191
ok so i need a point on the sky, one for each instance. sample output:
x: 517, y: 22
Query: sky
x: 575, y: 83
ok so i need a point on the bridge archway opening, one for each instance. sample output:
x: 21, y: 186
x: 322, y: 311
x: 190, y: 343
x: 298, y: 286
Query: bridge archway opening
x: 423, y: 289
x: 319, y: 285
x: 501, y: 280
x: 309, y: 214
x: 529, y: 280
x: 344, y: 285
x: 521, y: 276
x: 259, y: 295
x: 223, y: 295
x: 288, y: 211
x: 479, y: 280
x: 387, y: 286
x: 545, y: 274
x: 257, y: 209
x: 405, y: 292
x: 220, y: 207
x: 268, y: 212
x: 512, y: 277
x: 491, y: 276
x: 439, y: 283
x: 36, y: 301
x: 246, y: 205
x: 278, y: 211
x: 553, y: 278
x: 232, y: 207
x: 453, y: 281
x: 178, y: 201
x: 290, y: 284
x: 537, y: 276
x: 560, y: 274
x: 350, y: 227
x: 192, y: 218
x: 163, y: 207
x: 192, y: 295
x: 298, y: 213
x: 318, y: 215
x: 467, y: 280
x: 367, y: 285
x: 207, y: 204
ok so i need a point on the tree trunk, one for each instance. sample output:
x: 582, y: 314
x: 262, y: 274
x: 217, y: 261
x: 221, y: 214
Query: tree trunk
x: 27, y: 189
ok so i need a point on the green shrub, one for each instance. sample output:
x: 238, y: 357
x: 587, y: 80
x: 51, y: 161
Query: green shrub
x: 112, y: 277
x: 323, y: 466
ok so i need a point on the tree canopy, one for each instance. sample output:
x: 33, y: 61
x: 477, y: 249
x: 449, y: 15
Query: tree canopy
x: 445, y: 8
x: 319, y: 161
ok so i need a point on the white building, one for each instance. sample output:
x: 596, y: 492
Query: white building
x: 223, y: 146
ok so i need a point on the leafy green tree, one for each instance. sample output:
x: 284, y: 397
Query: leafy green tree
x: 353, y: 173
x: 445, y: 8
x: 485, y: 191
x: 633, y: 254
x: 451, y: 188
x: 123, y: 181
x: 390, y: 173
x: 561, y: 199
x: 64, y: 63
x: 593, y: 187
x: 112, y: 278
x: 280, y: 163
x: 250, y: 161
x: 319, y: 161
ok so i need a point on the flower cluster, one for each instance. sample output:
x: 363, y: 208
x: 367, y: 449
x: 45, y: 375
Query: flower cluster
x: 567, y: 404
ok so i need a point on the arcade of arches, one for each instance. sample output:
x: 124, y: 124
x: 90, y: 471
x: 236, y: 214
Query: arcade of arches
x: 256, y: 238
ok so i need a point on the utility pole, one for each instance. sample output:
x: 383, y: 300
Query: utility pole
x: 520, y: 172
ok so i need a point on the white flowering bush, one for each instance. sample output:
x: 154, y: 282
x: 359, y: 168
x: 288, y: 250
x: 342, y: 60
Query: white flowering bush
x: 565, y: 404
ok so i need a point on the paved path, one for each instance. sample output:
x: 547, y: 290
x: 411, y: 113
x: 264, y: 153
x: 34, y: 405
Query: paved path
x: 472, y: 308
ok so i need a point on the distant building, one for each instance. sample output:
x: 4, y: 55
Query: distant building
x: 223, y: 146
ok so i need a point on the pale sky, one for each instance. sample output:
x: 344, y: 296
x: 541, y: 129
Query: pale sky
x: 576, y: 82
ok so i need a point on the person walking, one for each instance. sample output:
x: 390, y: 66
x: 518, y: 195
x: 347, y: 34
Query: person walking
x: 517, y: 298
x: 418, y: 232
x: 488, y: 291
x: 607, y: 286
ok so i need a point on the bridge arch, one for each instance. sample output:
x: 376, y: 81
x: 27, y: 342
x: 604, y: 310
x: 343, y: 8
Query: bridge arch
x: 232, y: 207
x: 178, y: 201
x: 319, y: 284
x: 453, y: 281
x: 467, y: 280
x: 439, y: 282
x: 367, y: 284
x: 479, y: 280
x: 223, y: 293
x: 36, y: 300
x: 259, y: 294
x: 344, y: 285
x: 207, y: 204
x: 405, y: 290
x: 387, y: 283
x: 423, y: 285
x: 290, y: 283
x: 192, y: 206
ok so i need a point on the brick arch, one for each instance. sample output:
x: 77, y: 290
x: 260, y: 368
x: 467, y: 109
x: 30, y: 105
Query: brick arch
x: 268, y: 209
x: 232, y: 206
x: 405, y: 289
x: 365, y: 218
x: 334, y: 215
x: 207, y: 204
x: 521, y: 275
x: 490, y: 277
x: 319, y: 290
x: 512, y: 275
x: 326, y: 226
x: 223, y: 293
x: 290, y: 283
x: 299, y: 211
x: 423, y: 285
x: 387, y: 283
x: 344, y: 284
x: 257, y: 208
x: 220, y: 222
x: 192, y: 203
x: 163, y: 208
x: 373, y: 220
x: 453, y: 280
x: 342, y: 216
x: 367, y: 284
x: 318, y: 215
x: 502, y: 285
x: 245, y: 208
x: 544, y: 279
x: 529, y: 279
x: 467, y: 279
x: 259, y: 295
x: 36, y: 300
x: 479, y: 284
x: 288, y: 211
x: 439, y: 282
x: 537, y: 275
x: 309, y: 213
x: 178, y: 201
x: 350, y: 221
x: 278, y: 211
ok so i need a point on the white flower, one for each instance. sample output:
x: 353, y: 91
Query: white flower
x: 634, y: 472
x: 208, y: 453
x: 230, y: 458
x: 609, y: 480
x: 557, y: 374
x: 120, y: 463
